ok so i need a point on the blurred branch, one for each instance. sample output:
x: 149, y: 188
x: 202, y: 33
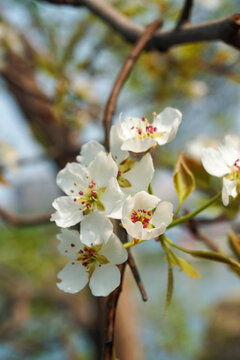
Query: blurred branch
x: 226, y: 30
x: 185, y: 14
x: 111, y: 305
x: 110, y: 317
x: 16, y: 220
x: 124, y: 73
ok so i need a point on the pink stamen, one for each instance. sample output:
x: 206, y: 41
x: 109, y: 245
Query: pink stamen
x: 81, y: 192
x: 119, y: 173
x: 88, y: 205
x: 72, y: 245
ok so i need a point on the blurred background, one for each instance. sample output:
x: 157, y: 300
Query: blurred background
x: 57, y: 66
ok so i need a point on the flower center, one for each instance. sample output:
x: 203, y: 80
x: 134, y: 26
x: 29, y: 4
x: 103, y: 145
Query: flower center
x: 144, y: 130
x: 90, y: 258
x: 235, y: 172
x: 142, y: 215
x: 89, y: 197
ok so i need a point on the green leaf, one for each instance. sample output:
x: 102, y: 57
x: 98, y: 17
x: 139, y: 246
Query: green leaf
x: 189, y: 269
x: 169, y: 286
x: 234, y: 242
x: 183, y: 179
x: 126, y: 165
x: 124, y: 183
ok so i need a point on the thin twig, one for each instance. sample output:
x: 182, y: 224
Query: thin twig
x: 136, y: 275
x: 192, y: 226
x: 124, y: 73
x: 226, y: 30
x: 16, y: 220
x: 185, y: 14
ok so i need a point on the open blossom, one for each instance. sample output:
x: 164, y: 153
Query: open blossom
x: 130, y: 171
x: 145, y: 217
x: 224, y: 162
x: 138, y: 135
x: 95, y: 264
x: 88, y: 189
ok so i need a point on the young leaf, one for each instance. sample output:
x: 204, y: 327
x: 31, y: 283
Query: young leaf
x: 184, y: 266
x: 189, y: 269
x: 183, y: 179
x: 169, y: 286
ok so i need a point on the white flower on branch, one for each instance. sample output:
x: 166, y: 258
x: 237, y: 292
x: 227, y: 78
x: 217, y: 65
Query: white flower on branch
x: 224, y: 162
x: 130, y: 172
x: 138, y: 135
x: 95, y: 264
x: 88, y: 189
x: 145, y: 217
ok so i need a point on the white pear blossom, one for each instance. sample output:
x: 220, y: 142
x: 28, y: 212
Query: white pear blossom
x: 130, y: 171
x: 138, y: 135
x: 145, y: 217
x: 224, y: 162
x: 95, y: 264
x: 91, y: 188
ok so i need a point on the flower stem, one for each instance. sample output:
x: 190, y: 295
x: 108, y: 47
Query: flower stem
x: 132, y: 243
x: 194, y: 213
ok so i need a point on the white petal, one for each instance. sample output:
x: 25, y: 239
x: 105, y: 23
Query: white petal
x: 137, y: 231
x: 116, y: 141
x: 228, y: 152
x: 102, y: 169
x: 213, y: 162
x: 104, y: 280
x: 229, y: 189
x: 71, y: 174
x: 128, y: 206
x: 135, y: 176
x: 69, y: 244
x: 143, y: 200
x: 95, y: 229
x: 111, y: 197
x: 89, y: 152
x: 138, y: 145
x: 167, y: 122
x: 114, y: 250
x: 163, y: 214
x: 68, y: 212
x: 74, y: 277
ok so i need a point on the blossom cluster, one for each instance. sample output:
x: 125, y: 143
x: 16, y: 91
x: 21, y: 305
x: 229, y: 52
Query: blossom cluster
x: 101, y: 186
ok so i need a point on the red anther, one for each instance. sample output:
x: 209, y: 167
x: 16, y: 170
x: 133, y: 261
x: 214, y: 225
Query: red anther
x: 119, y: 173
x: 75, y: 200
x: 93, y: 182
x: 144, y: 226
x: 132, y: 127
x: 83, y: 202
x: 149, y: 213
x: 91, y: 253
x: 93, y: 192
x: 72, y: 245
x: 80, y: 192
x: 143, y: 119
x: 155, y: 129
x: 146, y: 220
x: 88, y: 205
x: 85, y: 263
x: 85, y: 248
x: 80, y: 252
x: 90, y: 186
x: 144, y: 211
x: 139, y: 132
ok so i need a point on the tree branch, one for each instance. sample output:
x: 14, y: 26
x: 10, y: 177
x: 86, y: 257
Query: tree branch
x: 124, y: 73
x: 226, y: 30
x: 16, y: 220
x: 136, y: 275
x: 185, y: 14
